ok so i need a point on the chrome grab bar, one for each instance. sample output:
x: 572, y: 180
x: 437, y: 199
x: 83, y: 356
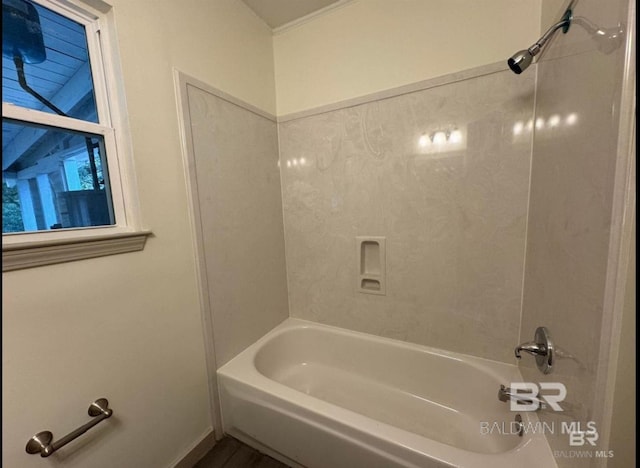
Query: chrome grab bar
x: 43, y: 444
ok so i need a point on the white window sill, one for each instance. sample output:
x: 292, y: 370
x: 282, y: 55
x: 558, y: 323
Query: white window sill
x: 47, y: 252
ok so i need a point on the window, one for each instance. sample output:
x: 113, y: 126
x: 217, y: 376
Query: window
x: 66, y: 185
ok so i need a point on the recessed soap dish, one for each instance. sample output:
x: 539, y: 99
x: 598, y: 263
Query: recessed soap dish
x: 370, y: 284
x: 371, y: 267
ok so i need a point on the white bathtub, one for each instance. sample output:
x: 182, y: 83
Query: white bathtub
x: 323, y: 397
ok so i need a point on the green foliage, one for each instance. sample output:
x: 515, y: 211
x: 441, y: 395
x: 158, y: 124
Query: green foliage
x: 86, y: 181
x: 11, y: 214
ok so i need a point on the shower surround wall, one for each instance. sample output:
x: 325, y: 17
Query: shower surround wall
x: 571, y: 215
x: 454, y: 215
x: 235, y: 155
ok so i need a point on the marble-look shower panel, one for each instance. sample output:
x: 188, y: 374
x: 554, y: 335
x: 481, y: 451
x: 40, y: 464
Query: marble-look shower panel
x: 235, y: 156
x: 572, y: 223
x: 443, y: 174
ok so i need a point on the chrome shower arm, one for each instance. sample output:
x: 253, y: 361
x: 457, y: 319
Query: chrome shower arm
x: 521, y: 60
x: 564, y: 23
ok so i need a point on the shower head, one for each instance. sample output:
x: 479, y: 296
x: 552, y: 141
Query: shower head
x: 521, y: 60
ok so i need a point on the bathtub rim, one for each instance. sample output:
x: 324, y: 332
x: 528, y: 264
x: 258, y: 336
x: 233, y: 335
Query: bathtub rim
x: 294, y: 323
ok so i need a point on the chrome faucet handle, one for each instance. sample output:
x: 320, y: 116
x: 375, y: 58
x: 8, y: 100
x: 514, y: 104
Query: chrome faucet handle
x: 537, y: 349
x: 541, y: 347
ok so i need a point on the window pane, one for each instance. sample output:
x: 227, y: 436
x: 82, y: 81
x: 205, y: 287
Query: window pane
x: 53, y: 179
x: 45, y: 62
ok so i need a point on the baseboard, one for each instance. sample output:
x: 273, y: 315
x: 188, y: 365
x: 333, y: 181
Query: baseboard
x: 199, y: 450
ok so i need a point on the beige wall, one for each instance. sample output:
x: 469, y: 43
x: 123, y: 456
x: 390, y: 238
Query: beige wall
x: 220, y: 42
x: 373, y: 45
x: 128, y: 327
x: 551, y: 12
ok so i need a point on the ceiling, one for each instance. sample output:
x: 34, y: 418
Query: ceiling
x: 277, y: 13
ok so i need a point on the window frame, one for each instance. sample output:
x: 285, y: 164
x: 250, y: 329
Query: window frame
x: 34, y: 248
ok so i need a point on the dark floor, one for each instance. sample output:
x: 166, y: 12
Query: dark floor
x: 231, y: 453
